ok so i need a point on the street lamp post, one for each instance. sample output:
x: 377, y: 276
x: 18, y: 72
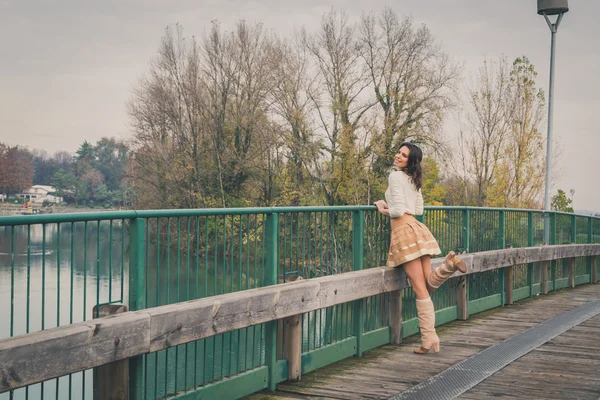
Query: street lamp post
x: 549, y: 8
x: 573, y: 199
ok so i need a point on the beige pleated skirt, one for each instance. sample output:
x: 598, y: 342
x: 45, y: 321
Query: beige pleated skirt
x: 410, y: 240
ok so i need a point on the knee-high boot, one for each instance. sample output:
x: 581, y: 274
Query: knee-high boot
x: 441, y: 274
x: 426, y: 314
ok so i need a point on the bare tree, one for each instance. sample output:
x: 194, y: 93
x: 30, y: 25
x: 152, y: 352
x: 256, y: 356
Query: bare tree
x: 500, y: 136
x: 412, y: 79
x: 525, y: 150
x: 338, y: 104
x: 165, y: 118
x: 487, y: 124
x: 292, y: 106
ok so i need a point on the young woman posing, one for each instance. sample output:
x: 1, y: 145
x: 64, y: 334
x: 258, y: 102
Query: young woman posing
x: 411, y: 242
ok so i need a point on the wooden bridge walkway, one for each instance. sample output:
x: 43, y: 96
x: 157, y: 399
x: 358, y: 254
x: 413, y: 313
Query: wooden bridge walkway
x: 565, y: 367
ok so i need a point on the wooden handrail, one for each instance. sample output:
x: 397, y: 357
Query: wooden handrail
x: 47, y: 354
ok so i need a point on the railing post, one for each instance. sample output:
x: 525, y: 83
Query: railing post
x: 572, y: 272
x: 293, y: 346
x: 553, y: 241
x: 137, y: 300
x: 358, y: 249
x: 462, y: 294
x: 590, y: 240
x: 501, y: 245
x: 111, y: 381
x: 529, y: 244
x: 272, y: 248
x: 594, y: 271
x: 396, y: 316
x: 544, y: 277
x: 508, y: 282
x: 291, y: 340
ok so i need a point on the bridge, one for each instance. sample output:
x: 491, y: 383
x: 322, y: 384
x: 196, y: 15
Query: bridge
x: 291, y: 303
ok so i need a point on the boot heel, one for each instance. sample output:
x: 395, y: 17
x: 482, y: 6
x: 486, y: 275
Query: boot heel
x: 436, y: 347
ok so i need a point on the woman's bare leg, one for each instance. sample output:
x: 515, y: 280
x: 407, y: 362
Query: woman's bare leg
x: 426, y: 265
x: 425, y: 309
x: 414, y: 271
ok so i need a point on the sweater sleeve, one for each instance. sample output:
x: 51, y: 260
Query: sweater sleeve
x: 419, y: 208
x: 397, y: 206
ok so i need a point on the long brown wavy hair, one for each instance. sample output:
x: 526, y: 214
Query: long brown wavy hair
x: 413, y: 169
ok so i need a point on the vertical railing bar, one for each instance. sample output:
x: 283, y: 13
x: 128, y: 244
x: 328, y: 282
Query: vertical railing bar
x: 28, y: 316
x: 529, y: 244
x: 44, y: 289
x: 110, y: 260
x: 240, y: 287
x: 168, y: 300
x: 158, y: 302
x: 71, y: 256
x: 330, y: 271
x: 340, y: 314
x: 271, y: 279
x: 187, y: 297
x: 262, y: 280
x: 231, y: 288
x: 285, y: 249
x: 256, y: 224
x: 247, y: 286
x: 123, y: 259
x: 205, y: 341
x: 197, y: 296
x: 226, y: 267
x: 553, y: 223
x: 358, y: 220
x: 57, y: 284
x: 325, y: 272
x: 12, y: 287
x: 97, y: 268
x: 12, y: 281
x: 589, y: 241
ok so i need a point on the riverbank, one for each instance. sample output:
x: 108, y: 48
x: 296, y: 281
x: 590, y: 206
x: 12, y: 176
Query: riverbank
x: 11, y: 209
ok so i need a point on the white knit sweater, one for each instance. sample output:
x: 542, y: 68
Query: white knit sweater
x: 402, y: 197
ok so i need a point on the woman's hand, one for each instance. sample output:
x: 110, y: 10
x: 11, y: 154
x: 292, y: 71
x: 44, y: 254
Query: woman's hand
x: 382, y: 207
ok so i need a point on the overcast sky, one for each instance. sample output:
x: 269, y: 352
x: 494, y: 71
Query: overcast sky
x: 68, y: 66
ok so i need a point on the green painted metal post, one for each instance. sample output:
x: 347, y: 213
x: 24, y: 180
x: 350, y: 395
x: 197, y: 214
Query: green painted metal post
x: 573, y: 229
x: 553, y: 241
x: 529, y: 244
x: 358, y: 251
x: 466, y: 243
x: 501, y: 245
x: 589, y: 241
x: 272, y: 233
x: 137, y: 300
x: 466, y: 222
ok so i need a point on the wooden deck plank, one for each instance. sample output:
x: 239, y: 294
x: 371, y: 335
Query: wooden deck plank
x: 561, y: 368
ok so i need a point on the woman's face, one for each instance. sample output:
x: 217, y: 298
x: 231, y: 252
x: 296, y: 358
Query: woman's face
x: 401, y: 159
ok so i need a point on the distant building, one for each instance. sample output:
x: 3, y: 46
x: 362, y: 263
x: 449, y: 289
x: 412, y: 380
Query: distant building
x: 37, y: 194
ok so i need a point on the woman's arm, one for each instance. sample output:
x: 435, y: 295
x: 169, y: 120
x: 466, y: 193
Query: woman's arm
x: 382, y: 207
x: 419, y: 206
x: 397, y: 205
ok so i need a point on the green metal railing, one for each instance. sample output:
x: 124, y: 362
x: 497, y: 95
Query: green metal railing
x: 55, y: 268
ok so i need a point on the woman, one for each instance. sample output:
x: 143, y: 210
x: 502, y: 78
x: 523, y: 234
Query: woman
x: 411, y: 243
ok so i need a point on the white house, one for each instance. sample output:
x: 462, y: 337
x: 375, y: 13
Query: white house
x: 39, y: 193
